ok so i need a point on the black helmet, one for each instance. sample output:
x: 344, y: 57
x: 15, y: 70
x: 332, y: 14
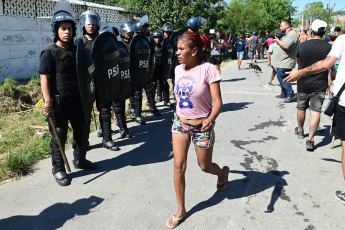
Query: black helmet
x: 196, y: 22
x: 141, y: 25
x: 157, y: 33
x: 168, y: 27
x: 90, y: 17
x: 126, y: 27
x: 62, y: 17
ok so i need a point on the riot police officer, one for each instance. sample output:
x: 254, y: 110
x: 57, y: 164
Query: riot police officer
x: 195, y: 23
x: 163, y: 86
x: 141, y: 27
x: 61, y: 95
x: 158, y: 78
x: 91, y: 23
x: 119, y: 103
x: 126, y: 34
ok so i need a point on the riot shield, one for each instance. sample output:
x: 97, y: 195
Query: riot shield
x: 85, y: 74
x: 173, y: 41
x: 140, y: 60
x: 167, y: 54
x: 153, y: 46
x: 125, y: 90
x: 106, y: 55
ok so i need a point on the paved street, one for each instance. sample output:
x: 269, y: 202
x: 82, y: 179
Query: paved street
x: 274, y: 183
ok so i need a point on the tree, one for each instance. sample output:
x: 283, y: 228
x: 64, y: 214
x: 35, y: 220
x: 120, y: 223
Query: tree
x: 258, y: 15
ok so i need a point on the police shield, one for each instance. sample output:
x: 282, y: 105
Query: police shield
x: 139, y: 59
x: 106, y: 55
x: 125, y: 90
x: 85, y: 74
x: 167, y: 54
x: 173, y: 41
x: 153, y: 46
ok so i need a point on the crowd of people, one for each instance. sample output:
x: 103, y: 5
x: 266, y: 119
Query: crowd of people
x: 196, y: 85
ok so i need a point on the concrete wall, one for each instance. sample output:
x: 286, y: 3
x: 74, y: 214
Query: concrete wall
x: 23, y: 38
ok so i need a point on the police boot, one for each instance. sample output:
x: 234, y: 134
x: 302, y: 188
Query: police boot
x: 100, y: 132
x: 119, y: 109
x: 150, y: 98
x: 107, y: 140
x: 82, y: 163
x: 159, y: 92
x: 138, y: 98
x: 166, y: 95
x: 131, y: 110
x: 58, y: 165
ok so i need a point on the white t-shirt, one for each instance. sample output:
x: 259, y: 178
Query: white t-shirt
x: 338, y: 51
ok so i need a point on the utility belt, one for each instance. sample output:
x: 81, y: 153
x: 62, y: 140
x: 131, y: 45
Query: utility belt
x: 58, y: 101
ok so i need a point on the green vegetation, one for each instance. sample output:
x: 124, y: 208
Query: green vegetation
x: 24, y: 135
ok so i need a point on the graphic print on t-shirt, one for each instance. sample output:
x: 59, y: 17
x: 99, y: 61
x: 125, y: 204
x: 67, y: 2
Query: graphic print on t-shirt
x: 185, y: 88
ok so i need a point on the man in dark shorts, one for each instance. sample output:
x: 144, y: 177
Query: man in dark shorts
x: 338, y: 130
x: 311, y: 89
x: 216, y: 51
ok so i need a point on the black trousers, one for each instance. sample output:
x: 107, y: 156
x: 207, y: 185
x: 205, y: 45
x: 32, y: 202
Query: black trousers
x: 68, y: 109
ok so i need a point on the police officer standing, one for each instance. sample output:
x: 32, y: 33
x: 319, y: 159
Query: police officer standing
x: 142, y: 28
x: 91, y: 23
x: 163, y: 85
x: 61, y: 95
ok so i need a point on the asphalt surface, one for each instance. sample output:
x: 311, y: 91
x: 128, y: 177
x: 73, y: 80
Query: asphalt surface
x: 274, y: 183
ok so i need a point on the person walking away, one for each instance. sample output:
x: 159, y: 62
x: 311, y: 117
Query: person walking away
x: 240, y: 46
x: 284, y: 59
x: 338, y: 130
x: 216, y: 49
x: 226, y: 48
x: 198, y: 104
x: 259, y: 46
x: 311, y: 89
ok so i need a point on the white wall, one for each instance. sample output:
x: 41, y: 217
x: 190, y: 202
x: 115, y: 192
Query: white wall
x: 22, y: 39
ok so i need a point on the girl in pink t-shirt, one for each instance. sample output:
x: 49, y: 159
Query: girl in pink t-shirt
x: 198, y: 104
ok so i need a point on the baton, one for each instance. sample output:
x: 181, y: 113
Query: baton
x: 59, y: 142
x: 94, y: 118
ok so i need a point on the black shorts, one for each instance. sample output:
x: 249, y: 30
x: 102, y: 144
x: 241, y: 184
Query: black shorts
x: 216, y: 60
x: 338, y: 127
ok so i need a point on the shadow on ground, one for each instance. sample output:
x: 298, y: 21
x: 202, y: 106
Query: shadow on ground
x: 154, y: 145
x: 253, y: 183
x: 52, y: 217
x: 235, y: 106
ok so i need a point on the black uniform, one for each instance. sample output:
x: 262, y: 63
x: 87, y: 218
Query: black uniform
x: 105, y: 113
x: 60, y: 64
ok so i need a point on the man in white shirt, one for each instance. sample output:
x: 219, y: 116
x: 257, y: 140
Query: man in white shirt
x: 338, y: 130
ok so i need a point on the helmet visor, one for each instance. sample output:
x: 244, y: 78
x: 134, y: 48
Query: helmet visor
x: 88, y: 19
x: 126, y: 28
x: 203, y: 21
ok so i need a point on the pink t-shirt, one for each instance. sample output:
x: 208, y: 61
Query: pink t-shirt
x: 270, y: 41
x: 192, y: 90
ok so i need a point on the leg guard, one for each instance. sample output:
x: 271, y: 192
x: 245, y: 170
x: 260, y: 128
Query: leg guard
x: 150, y: 99
x: 119, y: 109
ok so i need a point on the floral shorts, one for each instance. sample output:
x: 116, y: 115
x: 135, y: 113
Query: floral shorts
x: 202, y: 140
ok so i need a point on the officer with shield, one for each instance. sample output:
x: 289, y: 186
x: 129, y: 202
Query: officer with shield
x: 166, y: 64
x: 61, y: 93
x: 158, y: 76
x: 119, y: 102
x: 91, y: 23
x: 126, y: 34
x: 141, y: 27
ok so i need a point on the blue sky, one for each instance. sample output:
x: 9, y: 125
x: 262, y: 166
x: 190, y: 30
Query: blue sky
x: 339, y: 4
